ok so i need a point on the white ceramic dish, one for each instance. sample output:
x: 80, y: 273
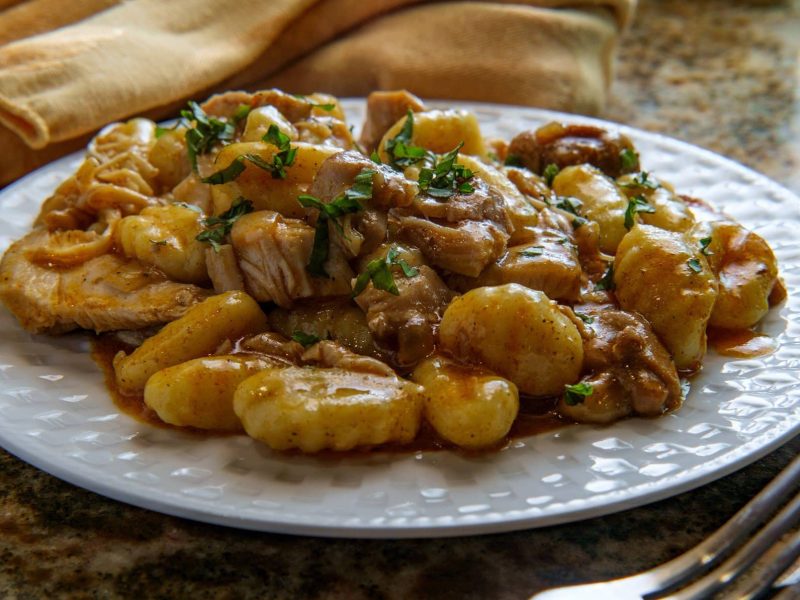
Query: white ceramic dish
x: 56, y: 414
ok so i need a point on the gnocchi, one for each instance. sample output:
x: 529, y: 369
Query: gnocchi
x: 267, y: 275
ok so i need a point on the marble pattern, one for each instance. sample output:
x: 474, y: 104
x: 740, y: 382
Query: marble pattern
x: 719, y: 74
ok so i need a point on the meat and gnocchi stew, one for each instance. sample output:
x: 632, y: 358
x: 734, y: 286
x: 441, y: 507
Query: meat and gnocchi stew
x: 274, y: 275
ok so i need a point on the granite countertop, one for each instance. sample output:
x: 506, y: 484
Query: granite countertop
x: 720, y: 74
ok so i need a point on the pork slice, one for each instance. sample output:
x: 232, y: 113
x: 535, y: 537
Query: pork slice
x: 104, y: 293
x: 405, y: 324
x: 466, y: 247
x: 273, y: 253
x: 384, y: 109
x: 548, y: 263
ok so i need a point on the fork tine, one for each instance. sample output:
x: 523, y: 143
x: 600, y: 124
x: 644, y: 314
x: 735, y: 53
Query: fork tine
x: 759, y: 586
x: 722, y: 576
x: 670, y: 576
x: 791, y: 592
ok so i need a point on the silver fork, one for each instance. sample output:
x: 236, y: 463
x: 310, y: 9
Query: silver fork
x: 693, y: 576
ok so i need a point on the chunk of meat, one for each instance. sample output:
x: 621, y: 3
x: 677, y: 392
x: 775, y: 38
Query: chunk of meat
x: 630, y: 371
x: 226, y: 104
x: 338, y: 172
x: 330, y: 354
x: 405, y: 324
x: 223, y: 270
x: 273, y: 253
x: 384, y: 109
x: 549, y: 263
x: 483, y: 203
x: 102, y: 294
x: 466, y: 248
x: 565, y: 145
x: 272, y: 345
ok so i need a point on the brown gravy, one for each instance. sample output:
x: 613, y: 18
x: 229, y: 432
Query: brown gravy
x: 741, y: 343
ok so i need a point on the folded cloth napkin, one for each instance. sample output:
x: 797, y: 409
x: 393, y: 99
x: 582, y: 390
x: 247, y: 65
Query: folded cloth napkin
x: 67, y: 68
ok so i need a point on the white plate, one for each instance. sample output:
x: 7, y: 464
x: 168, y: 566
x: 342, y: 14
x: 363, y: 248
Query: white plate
x: 55, y: 412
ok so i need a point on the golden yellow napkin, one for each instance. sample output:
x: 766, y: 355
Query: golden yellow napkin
x: 67, y: 68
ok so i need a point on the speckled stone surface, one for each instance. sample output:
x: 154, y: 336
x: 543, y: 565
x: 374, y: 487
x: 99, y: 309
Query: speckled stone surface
x: 720, y: 74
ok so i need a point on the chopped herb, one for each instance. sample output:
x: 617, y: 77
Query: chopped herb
x: 218, y: 227
x: 493, y: 156
x: 513, y: 160
x: 686, y: 387
x: 704, y: 244
x: 585, y: 318
x: 569, y: 204
x: 607, y: 280
x: 374, y: 157
x: 241, y: 113
x: 283, y: 158
x: 533, y: 251
x: 158, y: 242
x: 379, y: 271
x: 162, y: 130
x: 306, y: 339
x: 550, y: 172
x: 205, y: 132
x: 401, y: 153
x: 637, y: 204
x: 446, y: 178
x: 628, y: 159
x: 326, y: 107
x: 694, y: 265
x: 577, y: 393
x: 229, y: 173
x: 347, y: 202
x: 641, y: 180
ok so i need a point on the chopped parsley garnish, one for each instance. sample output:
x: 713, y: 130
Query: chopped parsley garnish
x: 162, y: 130
x: 513, y: 160
x: 446, y: 178
x: 285, y: 155
x: 704, y: 244
x: 379, y: 271
x: 205, y: 132
x: 637, y: 204
x: 550, y: 172
x: 694, y: 265
x: 641, y: 180
x: 375, y: 157
x: 585, y: 318
x: 401, y: 153
x: 346, y: 203
x: 607, y: 280
x: 237, y: 166
x: 628, y: 159
x: 686, y: 387
x: 229, y: 173
x: 306, y: 339
x: 533, y: 251
x: 577, y: 393
x: 328, y: 107
x: 218, y: 227
x: 569, y: 204
x: 241, y: 113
